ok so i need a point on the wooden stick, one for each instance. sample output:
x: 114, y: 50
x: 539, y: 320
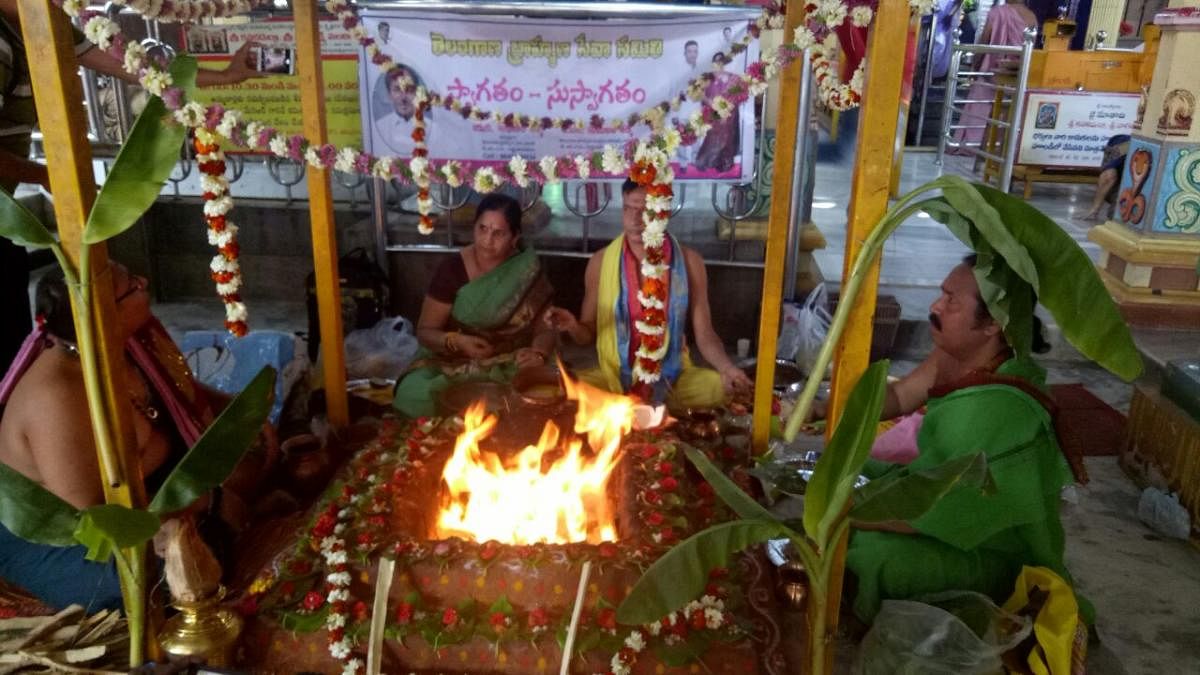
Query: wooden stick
x: 383, y: 585
x: 575, y: 614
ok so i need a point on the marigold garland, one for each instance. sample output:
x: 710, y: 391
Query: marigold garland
x: 225, y: 270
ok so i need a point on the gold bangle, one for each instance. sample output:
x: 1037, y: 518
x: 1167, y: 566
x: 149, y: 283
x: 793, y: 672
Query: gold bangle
x: 448, y: 343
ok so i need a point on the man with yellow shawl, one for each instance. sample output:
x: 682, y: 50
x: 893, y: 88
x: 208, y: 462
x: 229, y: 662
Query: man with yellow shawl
x: 611, y: 309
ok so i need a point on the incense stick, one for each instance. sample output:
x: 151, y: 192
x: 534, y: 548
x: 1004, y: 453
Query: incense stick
x: 569, y: 646
x: 383, y: 584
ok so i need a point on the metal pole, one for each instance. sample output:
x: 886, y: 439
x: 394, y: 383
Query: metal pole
x: 1014, y: 111
x: 379, y: 217
x: 948, y: 99
x: 800, y: 178
x: 925, y: 82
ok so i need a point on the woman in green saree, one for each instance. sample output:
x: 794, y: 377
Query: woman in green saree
x: 482, y: 316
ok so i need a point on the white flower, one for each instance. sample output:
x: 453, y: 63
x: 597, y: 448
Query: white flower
x: 312, y: 156
x: 135, y: 56
x: 156, y: 81
x: 658, y: 203
x: 613, y: 161
x: 722, y: 106
x: 358, y: 32
x: 647, y: 329
x: 775, y: 22
x: 549, y: 167
x: 671, y: 140
x: 340, y: 649
x: 654, y: 628
x: 218, y: 207
x: 214, y: 184
x: 329, y: 543
x: 339, y: 595
x: 235, y: 311
x: 279, y: 145
x: 345, y: 160
x: 713, y: 618
x: 452, y: 171
x: 757, y: 87
x: 653, y: 238
x: 229, y: 122
x: 655, y: 271
x: 339, y: 528
x: 834, y: 12
x: 861, y: 16
x: 419, y: 167
x: 618, y: 667
x: 650, y: 154
x: 352, y: 667
x: 922, y: 7
x: 653, y: 117
x: 224, y: 237
x: 334, y: 558
x: 229, y: 288
x: 520, y: 170
x: 253, y: 131
x: 712, y: 601
x: 338, y: 579
x: 583, y: 166
x: 856, y: 80
x: 485, y: 180
x: 424, y: 229
x: 335, y: 620
x: 100, y: 30
x: 382, y: 168
x: 635, y: 641
x: 73, y: 7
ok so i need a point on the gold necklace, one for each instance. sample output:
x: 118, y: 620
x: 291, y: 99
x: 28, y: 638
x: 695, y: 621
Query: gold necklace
x: 140, y: 403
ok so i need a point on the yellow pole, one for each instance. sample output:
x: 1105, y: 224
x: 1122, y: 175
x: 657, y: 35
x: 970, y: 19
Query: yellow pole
x: 878, y: 118
x: 320, y: 208
x: 777, y: 230
x: 58, y: 93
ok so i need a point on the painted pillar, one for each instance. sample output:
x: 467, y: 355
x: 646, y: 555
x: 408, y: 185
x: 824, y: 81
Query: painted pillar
x: 1105, y: 16
x: 1151, y: 247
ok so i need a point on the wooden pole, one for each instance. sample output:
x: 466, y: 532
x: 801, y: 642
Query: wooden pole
x: 58, y: 93
x: 878, y: 118
x: 777, y: 232
x: 320, y: 208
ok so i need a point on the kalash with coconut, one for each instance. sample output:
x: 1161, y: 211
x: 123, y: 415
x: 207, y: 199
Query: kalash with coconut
x: 471, y: 542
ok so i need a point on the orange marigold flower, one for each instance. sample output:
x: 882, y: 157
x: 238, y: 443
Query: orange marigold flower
x: 643, y: 174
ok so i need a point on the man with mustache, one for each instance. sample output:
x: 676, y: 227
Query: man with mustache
x: 976, y: 395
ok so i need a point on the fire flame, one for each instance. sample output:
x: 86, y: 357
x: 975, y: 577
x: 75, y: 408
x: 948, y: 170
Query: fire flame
x: 525, y: 503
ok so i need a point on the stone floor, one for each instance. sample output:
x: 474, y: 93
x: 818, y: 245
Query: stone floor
x: 1146, y: 589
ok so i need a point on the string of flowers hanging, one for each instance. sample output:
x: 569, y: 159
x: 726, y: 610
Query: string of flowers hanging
x: 225, y: 270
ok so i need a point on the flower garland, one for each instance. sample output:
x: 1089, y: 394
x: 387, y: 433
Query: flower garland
x: 652, y: 171
x: 222, y: 233
x: 173, y: 11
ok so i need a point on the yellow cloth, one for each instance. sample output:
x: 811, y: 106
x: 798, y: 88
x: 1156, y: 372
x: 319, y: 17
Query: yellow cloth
x: 1055, y: 626
x: 696, y: 387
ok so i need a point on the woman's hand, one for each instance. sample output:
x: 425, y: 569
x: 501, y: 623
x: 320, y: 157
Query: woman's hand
x: 240, y: 69
x: 472, y: 346
x: 528, y: 357
x: 560, y: 319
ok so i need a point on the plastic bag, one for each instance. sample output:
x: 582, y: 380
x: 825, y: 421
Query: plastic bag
x: 915, y: 638
x: 812, y: 327
x: 381, y: 352
x: 1163, y: 513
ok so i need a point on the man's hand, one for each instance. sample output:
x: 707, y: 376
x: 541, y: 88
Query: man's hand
x: 734, y: 379
x: 528, y: 357
x: 560, y: 319
x: 240, y: 69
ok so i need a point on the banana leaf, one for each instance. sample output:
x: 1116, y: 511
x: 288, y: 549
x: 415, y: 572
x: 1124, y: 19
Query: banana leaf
x: 32, y: 512
x: 1068, y: 285
x: 741, y: 503
x: 679, y: 576
x: 905, y: 495
x: 20, y: 226
x: 143, y: 164
x: 216, y: 453
x: 107, y: 527
x: 836, y: 471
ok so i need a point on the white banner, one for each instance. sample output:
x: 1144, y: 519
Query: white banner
x: 553, y: 68
x: 1068, y: 129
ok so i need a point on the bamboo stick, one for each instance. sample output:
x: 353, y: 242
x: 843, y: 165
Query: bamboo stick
x: 569, y: 646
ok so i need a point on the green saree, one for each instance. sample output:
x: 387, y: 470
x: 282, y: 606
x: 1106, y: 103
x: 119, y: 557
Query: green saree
x: 502, y: 307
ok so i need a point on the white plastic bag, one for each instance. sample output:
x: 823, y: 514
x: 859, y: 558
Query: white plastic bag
x: 812, y: 327
x: 1163, y: 513
x: 381, y: 352
x: 914, y: 638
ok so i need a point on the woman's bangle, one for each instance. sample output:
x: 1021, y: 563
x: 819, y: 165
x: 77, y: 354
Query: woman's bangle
x: 448, y: 342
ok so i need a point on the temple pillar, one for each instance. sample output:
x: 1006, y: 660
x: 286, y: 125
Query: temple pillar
x: 1151, y: 247
x: 1105, y: 16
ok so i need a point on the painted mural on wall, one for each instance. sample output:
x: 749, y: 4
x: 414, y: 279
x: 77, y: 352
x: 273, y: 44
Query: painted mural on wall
x: 1179, y: 107
x: 1179, y: 210
x: 1135, y: 185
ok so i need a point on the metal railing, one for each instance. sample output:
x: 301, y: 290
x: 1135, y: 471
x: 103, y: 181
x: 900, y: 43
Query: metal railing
x: 1010, y: 106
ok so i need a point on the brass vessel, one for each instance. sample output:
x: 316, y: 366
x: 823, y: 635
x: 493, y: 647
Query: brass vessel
x: 203, y: 628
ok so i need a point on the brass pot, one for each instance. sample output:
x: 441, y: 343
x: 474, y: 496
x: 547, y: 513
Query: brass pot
x: 793, y: 584
x: 203, y: 629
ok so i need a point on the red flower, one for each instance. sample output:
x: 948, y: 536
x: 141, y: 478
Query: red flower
x: 324, y: 526
x: 679, y: 628
x: 607, y: 618
x: 660, y: 190
x: 404, y: 613
x: 247, y: 606
x: 538, y: 617
x: 287, y: 588
x: 359, y: 611
x: 669, y: 484
x: 498, y: 619
x: 698, y: 619
x: 649, y: 451
x: 607, y: 549
x: 365, y: 539
x: 727, y: 452
x: 705, y: 490
x: 300, y: 567
x: 377, y: 521
x: 312, y: 600
x: 655, y: 518
x: 643, y: 173
x: 449, y: 617
x: 489, y: 550
x: 718, y: 573
x: 666, y: 468
x: 651, y: 497
x: 418, y: 135
x: 627, y: 655
x: 668, y: 534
